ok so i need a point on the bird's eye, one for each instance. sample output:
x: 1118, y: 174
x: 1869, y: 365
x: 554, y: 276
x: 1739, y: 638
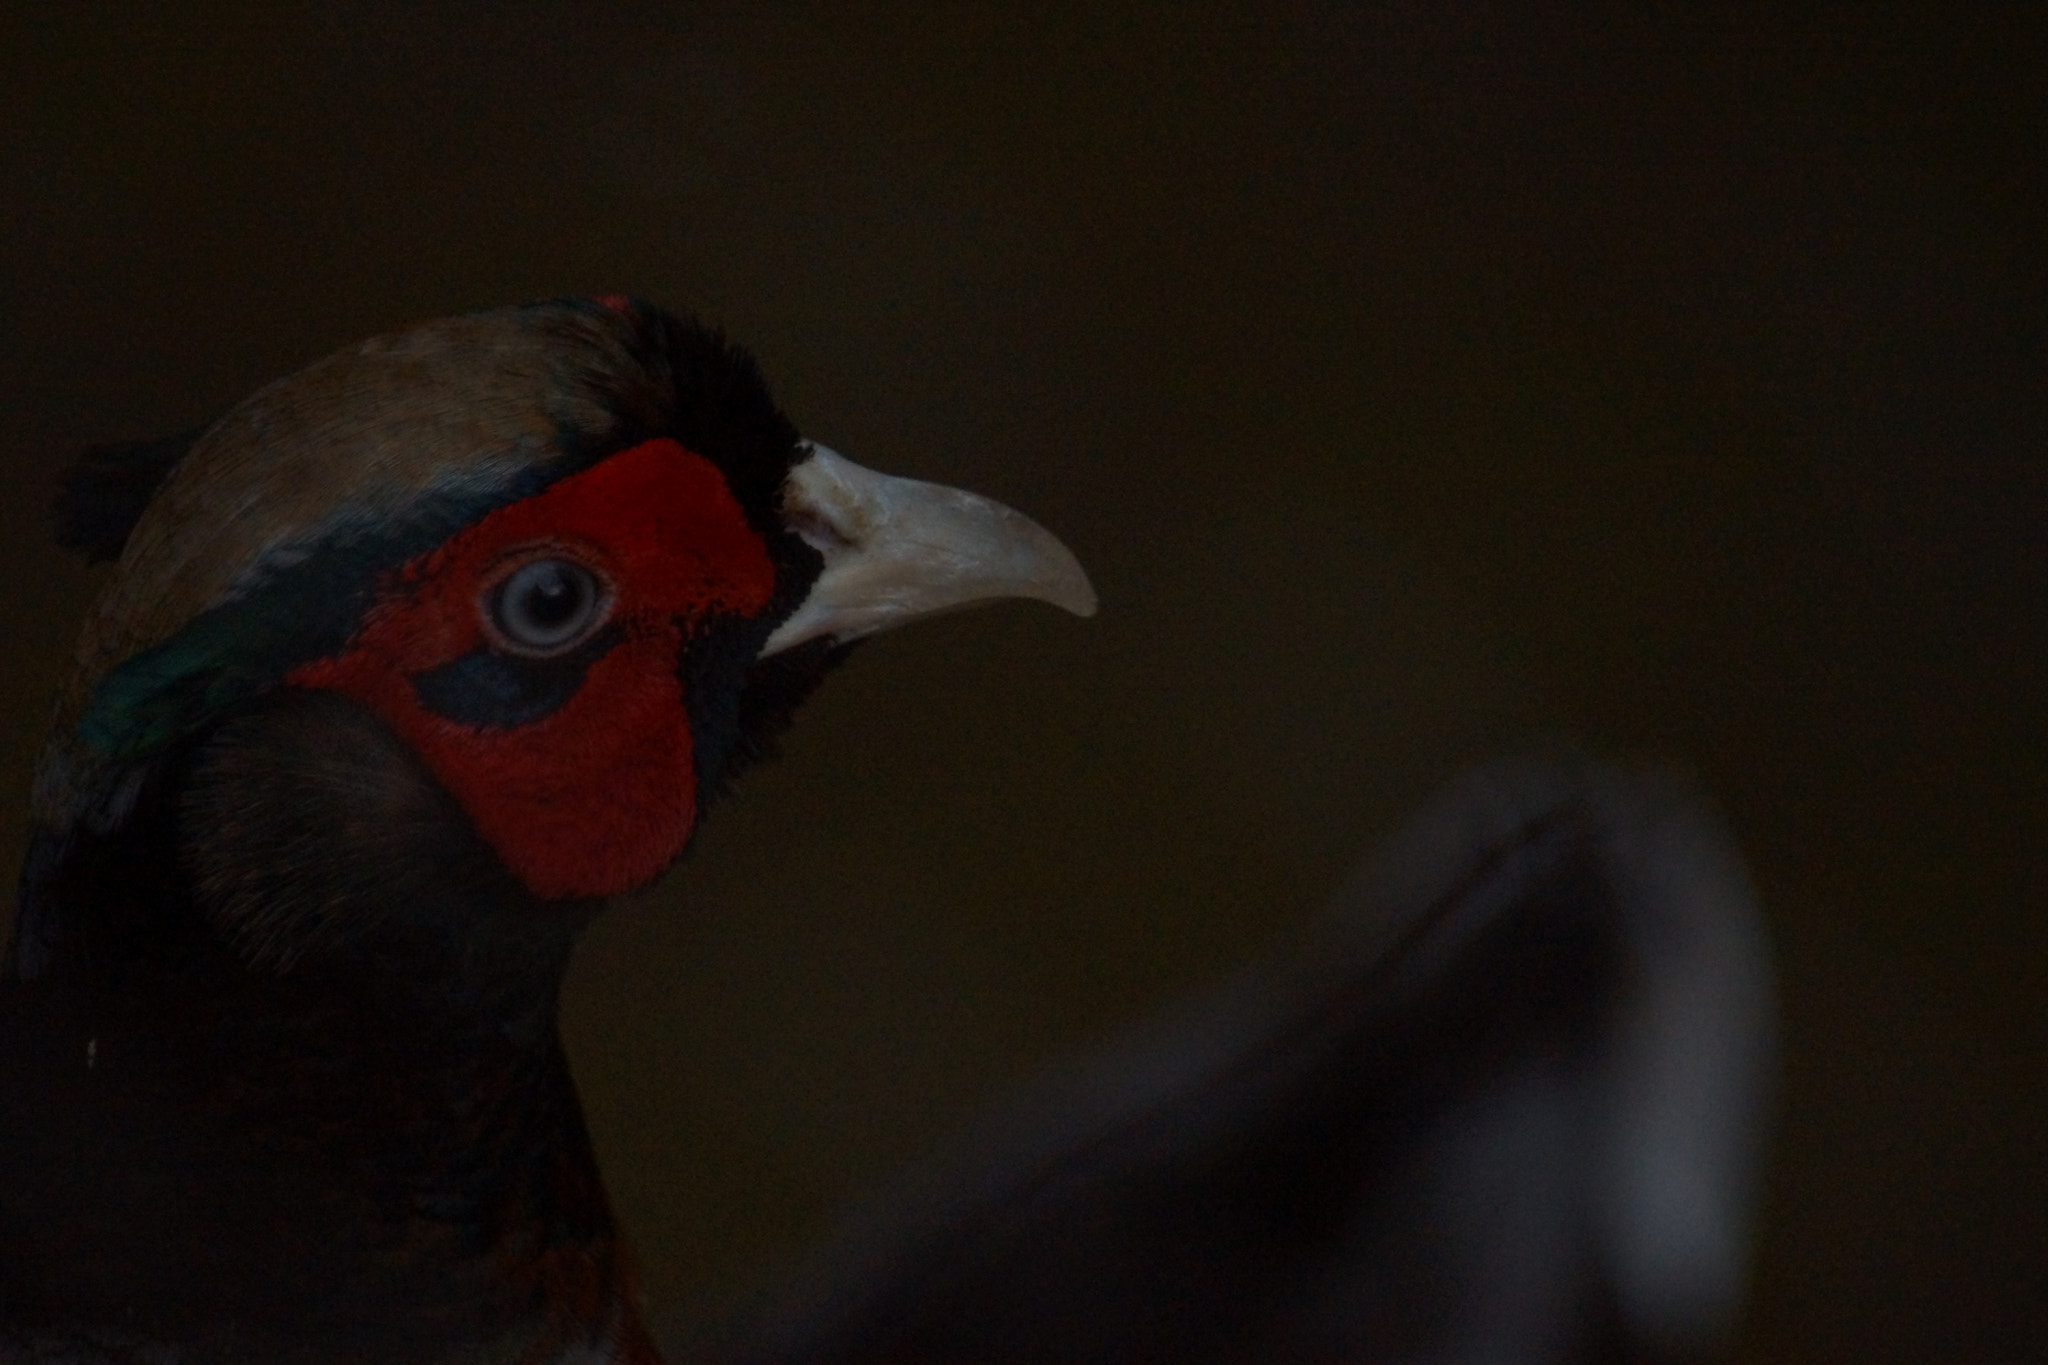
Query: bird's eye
x: 546, y: 606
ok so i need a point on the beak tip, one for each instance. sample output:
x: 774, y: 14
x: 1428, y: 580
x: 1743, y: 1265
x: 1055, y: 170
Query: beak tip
x: 1057, y: 576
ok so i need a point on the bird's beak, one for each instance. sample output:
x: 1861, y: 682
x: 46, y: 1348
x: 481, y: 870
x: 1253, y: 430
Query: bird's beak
x: 897, y: 550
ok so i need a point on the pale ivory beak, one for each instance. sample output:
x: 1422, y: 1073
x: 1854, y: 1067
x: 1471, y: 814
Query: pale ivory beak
x: 897, y: 550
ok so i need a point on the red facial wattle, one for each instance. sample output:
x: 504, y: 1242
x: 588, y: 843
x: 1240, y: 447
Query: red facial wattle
x: 598, y: 794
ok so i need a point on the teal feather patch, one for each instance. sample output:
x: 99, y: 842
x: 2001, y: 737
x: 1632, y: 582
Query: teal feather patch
x: 240, y: 649
x: 227, y: 655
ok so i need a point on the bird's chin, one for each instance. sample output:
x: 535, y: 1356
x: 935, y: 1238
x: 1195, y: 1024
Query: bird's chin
x: 776, y: 686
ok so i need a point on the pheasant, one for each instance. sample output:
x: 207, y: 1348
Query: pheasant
x: 409, y: 662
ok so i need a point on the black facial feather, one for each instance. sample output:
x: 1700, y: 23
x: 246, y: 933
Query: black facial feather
x: 494, y: 691
x: 739, y: 704
x: 687, y: 380
x: 775, y: 687
x: 103, y: 494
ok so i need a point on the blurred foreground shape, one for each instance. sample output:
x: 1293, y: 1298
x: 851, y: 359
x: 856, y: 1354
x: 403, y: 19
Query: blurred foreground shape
x: 1504, y: 1103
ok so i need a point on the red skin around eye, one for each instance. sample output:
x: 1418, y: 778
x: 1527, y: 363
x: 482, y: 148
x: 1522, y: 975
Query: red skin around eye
x: 600, y: 795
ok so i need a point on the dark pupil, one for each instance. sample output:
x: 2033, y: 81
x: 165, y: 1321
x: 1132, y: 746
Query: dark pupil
x: 552, y: 597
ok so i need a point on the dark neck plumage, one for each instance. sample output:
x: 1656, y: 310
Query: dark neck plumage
x: 287, y: 1083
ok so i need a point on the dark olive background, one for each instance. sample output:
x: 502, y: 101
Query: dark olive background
x: 1414, y: 379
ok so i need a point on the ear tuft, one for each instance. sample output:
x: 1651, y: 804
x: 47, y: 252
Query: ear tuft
x: 102, y: 496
